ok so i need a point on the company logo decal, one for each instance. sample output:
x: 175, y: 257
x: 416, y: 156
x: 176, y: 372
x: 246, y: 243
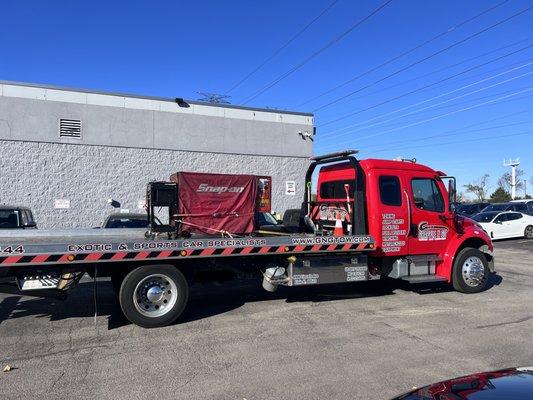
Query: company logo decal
x: 329, y: 213
x: 205, y: 188
x: 427, y: 232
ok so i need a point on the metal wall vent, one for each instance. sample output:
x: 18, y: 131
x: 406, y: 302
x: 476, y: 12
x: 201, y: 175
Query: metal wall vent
x: 70, y: 128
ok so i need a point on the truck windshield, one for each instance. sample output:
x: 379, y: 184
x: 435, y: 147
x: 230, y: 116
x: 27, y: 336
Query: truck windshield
x: 335, y: 189
x: 9, y: 219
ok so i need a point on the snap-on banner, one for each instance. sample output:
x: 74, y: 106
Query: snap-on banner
x: 212, y: 203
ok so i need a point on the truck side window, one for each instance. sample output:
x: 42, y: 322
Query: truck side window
x: 389, y: 190
x: 427, y: 195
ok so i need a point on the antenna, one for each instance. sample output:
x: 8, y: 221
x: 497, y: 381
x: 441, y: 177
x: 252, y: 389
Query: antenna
x: 214, y: 98
x: 513, y: 164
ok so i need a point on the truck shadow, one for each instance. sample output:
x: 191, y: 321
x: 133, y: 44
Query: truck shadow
x: 205, y: 301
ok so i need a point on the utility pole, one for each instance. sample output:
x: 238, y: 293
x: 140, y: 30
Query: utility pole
x: 513, y: 164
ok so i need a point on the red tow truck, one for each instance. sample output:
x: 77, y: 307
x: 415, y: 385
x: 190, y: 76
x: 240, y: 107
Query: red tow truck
x: 371, y: 219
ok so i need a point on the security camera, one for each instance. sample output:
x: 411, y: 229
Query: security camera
x: 306, y: 135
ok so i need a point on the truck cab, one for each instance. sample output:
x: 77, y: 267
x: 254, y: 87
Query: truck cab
x: 407, y: 210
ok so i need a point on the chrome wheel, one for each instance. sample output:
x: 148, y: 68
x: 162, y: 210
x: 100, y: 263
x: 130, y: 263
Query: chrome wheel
x: 528, y: 233
x: 473, y: 271
x: 155, y: 295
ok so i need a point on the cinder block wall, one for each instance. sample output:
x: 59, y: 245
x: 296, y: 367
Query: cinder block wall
x: 35, y: 174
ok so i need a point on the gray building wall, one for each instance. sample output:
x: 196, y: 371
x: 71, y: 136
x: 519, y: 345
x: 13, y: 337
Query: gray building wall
x: 129, y: 141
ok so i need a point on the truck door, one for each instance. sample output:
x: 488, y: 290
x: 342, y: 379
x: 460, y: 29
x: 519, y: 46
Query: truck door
x: 388, y: 212
x: 431, y: 220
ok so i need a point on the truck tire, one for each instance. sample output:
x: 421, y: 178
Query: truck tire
x: 470, y: 271
x: 528, y: 232
x: 152, y: 296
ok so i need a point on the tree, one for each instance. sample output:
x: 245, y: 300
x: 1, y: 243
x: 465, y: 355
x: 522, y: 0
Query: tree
x: 506, y: 180
x: 500, y: 195
x: 478, y: 188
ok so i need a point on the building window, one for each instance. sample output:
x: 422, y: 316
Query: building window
x: 389, y: 190
x: 427, y: 195
x: 70, y: 128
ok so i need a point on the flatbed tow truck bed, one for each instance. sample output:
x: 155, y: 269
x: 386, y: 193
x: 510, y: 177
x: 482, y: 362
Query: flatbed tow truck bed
x: 92, y: 246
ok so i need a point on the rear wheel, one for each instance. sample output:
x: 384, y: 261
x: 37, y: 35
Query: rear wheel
x: 470, y: 271
x: 153, y: 295
x: 528, y: 232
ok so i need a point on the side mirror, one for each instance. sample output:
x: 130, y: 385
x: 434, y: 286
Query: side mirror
x: 498, y: 222
x: 29, y: 225
x: 452, y: 192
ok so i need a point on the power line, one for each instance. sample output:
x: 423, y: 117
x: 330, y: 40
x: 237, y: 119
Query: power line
x: 445, y: 133
x: 420, y: 89
x: 316, y: 53
x: 447, y: 67
x: 447, y: 31
x: 528, y: 110
x: 460, y: 130
x: 292, y: 39
x: 457, y: 141
x: 475, y: 100
x: 424, y: 59
x: 452, y: 133
x: 528, y: 89
x: 361, y: 126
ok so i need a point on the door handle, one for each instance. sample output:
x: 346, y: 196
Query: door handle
x: 408, y: 213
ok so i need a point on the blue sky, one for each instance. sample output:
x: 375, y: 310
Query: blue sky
x: 464, y: 125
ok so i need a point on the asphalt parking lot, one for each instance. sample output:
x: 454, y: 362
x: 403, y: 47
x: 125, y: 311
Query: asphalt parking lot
x: 341, y: 342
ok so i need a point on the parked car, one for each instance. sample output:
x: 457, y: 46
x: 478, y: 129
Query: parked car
x: 507, y: 224
x: 511, y: 206
x: 511, y: 383
x: 528, y: 203
x: 127, y: 220
x: 15, y: 217
x: 471, y: 209
x: 265, y: 218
